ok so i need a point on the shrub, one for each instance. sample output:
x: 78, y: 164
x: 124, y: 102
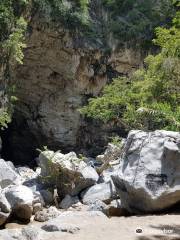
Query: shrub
x: 150, y: 99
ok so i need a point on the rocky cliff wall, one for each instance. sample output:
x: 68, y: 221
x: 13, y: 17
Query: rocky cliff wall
x: 59, y: 74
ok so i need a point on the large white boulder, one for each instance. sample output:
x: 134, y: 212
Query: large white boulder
x: 148, y: 179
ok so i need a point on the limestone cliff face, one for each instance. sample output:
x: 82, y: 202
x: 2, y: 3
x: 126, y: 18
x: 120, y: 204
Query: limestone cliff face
x: 56, y: 79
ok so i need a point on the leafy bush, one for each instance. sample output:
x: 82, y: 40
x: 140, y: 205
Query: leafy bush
x: 150, y: 99
x: 73, y: 14
x: 136, y: 20
x: 12, y: 29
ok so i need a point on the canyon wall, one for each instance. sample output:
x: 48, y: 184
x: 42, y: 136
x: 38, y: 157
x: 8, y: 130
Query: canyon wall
x: 60, y: 72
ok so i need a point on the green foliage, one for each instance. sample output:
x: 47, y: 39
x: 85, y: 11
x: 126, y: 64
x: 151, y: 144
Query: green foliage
x: 5, y: 118
x: 73, y: 14
x: 136, y: 20
x: 150, y: 99
x: 12, y: 29
x: 14, y: 45
x: 116, y: 140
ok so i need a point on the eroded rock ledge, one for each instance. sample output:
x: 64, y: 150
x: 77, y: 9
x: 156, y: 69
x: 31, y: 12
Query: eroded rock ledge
x: 56, y: 79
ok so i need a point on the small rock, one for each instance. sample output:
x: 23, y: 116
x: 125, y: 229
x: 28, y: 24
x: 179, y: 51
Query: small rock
x: 62, y: 227
x: 37, y: 207
x: 47, y: 214
x: 30, y: 233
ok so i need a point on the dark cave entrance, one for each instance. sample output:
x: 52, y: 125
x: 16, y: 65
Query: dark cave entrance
x: 19, y: 145
x: 20, y: 141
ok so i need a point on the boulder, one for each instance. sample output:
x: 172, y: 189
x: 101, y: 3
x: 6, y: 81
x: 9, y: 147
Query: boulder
x: 47, y: 196
x: 20, y: 199
x: 3, y: 217
x: 4, y: 204
x: 68, y: 201
x: 8, y: 176
x: 104, y: 191
x: 70, y: 174
x: 148, y: 179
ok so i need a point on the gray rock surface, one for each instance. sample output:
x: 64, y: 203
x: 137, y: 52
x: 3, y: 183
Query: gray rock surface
x: 98, y: 205
x: 47, y: 196
x: 20, y: 199
x: 47, y: 214
x: 4, y: 204
x: 59, y: 83
x: 7, y: 175
x: 104, y: 191
x: 70, y: 174
x: 26, y: 173
x: 56, y: 226
x: 148, y: 179
x: 68, y: 201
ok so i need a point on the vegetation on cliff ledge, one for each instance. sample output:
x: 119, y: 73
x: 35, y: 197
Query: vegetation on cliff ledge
x: 150, y: 99
x: 12, y: 29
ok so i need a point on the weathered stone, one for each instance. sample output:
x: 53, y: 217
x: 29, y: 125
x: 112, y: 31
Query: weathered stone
x: 115, y: 209
x: 26, y: 173
x: 148, y: 179
x: 68, y: 201
x: 70, y: 174
x: 55, y: 226
x: 98, y: 205
x: 8, y: 176
x: 30, y: 233
x: 20, y: 199
x: 59, y: 73
x: 3, y: 217
x: 104, y: 191
x: 4, y: 204
x: 47, y: 196
x: 47, y: 214
x: 37, y: 207
x: 111, y: 153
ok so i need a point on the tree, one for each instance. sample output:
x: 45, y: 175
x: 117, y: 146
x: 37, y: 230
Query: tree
x: 150, y: 99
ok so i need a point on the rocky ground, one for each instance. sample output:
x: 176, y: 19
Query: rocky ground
x: 74, y: 197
